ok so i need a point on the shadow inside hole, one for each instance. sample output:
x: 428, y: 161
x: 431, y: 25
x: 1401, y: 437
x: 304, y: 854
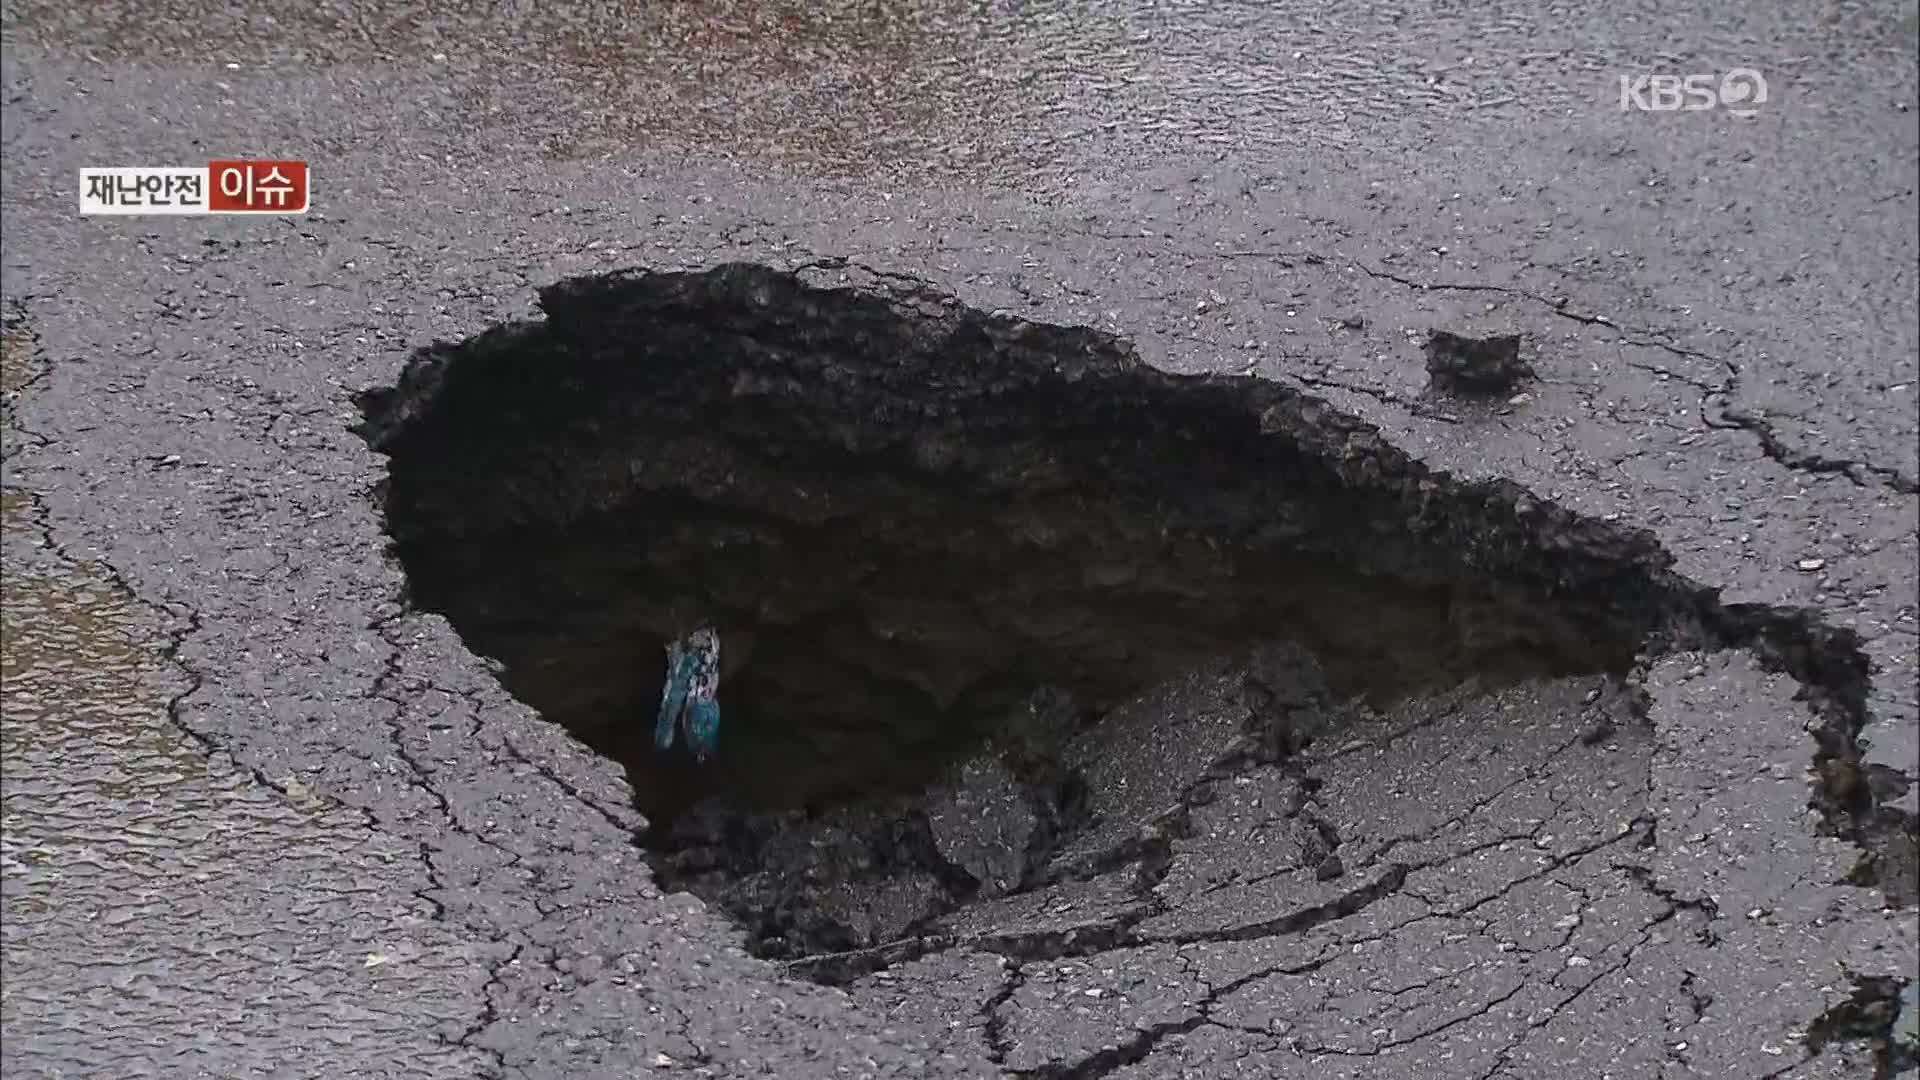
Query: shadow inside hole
x: 859, y: 659
x: 906, y: 518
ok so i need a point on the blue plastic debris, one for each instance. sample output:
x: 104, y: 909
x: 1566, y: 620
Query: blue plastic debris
x: 689, y: 701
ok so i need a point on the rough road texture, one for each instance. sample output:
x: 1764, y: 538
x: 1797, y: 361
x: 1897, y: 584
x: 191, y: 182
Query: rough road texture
x: 885, y: 490
x: 904, y: 515
x: 1719, y: 319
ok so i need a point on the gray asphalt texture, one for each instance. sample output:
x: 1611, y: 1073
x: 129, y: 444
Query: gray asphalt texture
x: 295, y: 829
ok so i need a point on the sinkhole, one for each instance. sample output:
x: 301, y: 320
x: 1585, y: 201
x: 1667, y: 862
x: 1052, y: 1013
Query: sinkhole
x: 951, y: 557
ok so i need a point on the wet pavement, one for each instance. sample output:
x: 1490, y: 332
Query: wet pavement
x: 147, y: 881
x: 147, y: 876
x: 262, y: 819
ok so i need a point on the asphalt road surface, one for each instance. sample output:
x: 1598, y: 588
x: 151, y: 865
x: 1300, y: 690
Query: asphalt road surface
x: 262, y: 819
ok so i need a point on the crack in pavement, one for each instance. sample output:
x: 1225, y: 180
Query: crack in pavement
x: 178, y: 626
x: 423, y: 779
x: 508, y: 749
x: 1504, y: 1056
x: 1807, y: 461
x: 1716, y: 408
x: 998, y: 1045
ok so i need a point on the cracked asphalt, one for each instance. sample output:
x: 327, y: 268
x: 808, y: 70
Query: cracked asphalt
x: 260, y: 818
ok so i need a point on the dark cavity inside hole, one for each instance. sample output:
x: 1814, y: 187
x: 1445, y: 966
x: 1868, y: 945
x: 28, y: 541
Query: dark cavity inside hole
x: 917, y: 525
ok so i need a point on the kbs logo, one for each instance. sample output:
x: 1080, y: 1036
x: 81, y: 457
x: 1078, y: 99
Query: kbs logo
x: 222, y: 187
x: 1740, y: 92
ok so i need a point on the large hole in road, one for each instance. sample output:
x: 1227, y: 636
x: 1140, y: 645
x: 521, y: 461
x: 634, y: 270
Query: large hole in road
x: 994, y: 598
